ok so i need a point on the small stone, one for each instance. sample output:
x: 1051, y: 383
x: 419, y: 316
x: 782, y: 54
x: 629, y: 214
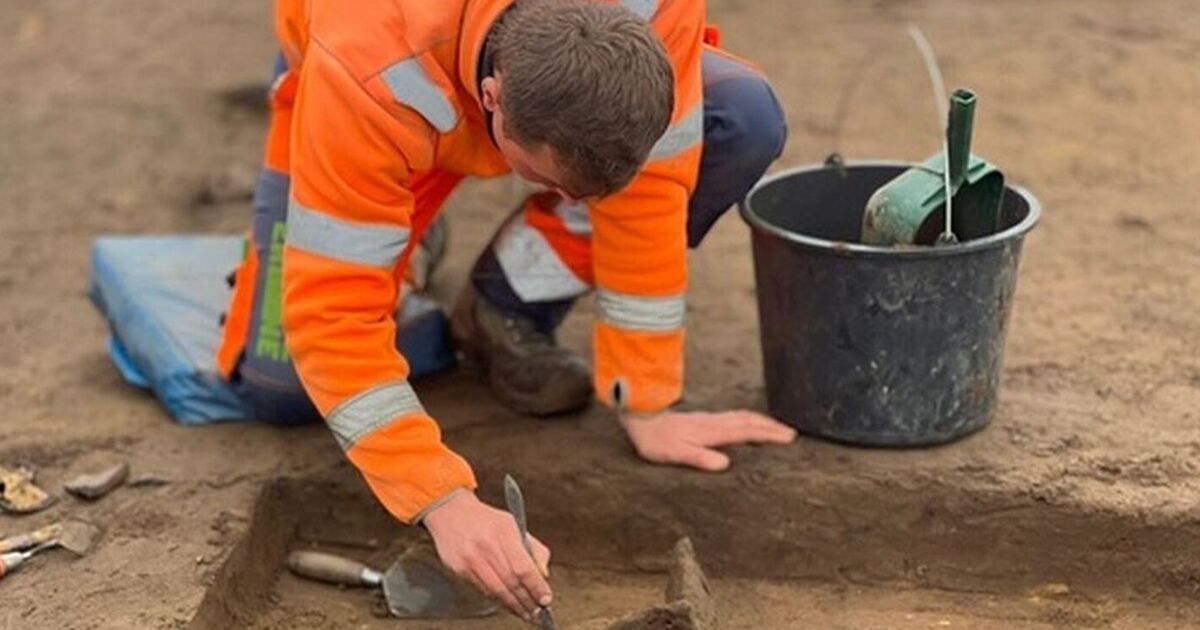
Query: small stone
x: 92, y: 486
x: 1051, y: 590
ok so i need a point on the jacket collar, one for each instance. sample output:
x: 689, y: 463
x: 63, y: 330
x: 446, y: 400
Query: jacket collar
x: 478, y: 18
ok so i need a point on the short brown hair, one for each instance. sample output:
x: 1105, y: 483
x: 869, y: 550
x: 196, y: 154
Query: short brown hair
x: 589, y: 79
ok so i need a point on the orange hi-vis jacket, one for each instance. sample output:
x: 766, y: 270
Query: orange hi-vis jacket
x: 384, y: 118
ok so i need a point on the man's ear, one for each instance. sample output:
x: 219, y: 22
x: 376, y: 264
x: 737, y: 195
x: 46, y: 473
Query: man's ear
x: 490, y: 88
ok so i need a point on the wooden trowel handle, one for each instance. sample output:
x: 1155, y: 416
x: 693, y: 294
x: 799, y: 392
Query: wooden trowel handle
x: 32, y: 539
x: 331, y: 569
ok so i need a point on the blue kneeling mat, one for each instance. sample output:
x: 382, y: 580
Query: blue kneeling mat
x: 163, y: 297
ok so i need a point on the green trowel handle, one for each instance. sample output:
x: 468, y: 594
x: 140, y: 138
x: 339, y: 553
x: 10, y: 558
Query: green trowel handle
x: 958, y: 134
x: 331, y: 569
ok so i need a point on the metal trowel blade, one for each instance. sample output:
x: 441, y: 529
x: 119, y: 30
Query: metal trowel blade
x: 78, y: 537
x: 418, y: 586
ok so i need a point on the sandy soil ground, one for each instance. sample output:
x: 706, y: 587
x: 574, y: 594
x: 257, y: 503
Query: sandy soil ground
x: 139, y: 116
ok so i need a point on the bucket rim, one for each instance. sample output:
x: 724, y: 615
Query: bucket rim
x: 756, y: 222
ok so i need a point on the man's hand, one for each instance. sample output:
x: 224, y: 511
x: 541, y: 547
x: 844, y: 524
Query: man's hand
x: 483, y: 545
x: 691, y: 438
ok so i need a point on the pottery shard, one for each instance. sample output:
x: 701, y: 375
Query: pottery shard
x: 18, y: 494
x: 689, y: 604
x: 92, y: 486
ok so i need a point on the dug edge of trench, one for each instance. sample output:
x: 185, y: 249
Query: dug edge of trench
x: 773, y: 518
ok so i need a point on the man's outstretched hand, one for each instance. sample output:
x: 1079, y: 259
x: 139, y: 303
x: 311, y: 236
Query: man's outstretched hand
x: 482, y: 545
x: 692, y: 438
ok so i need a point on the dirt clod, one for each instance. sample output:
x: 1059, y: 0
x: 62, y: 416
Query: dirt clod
x: 689, y: 603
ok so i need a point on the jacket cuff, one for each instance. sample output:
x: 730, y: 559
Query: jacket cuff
x: 637, y: 370
x: 408, y: 467
x: 437, y: 503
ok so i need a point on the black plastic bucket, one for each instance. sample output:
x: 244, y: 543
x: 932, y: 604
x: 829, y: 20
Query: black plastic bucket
x: 876, y: 345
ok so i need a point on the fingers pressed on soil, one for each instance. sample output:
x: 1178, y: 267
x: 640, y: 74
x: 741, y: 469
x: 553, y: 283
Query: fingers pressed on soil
x: 704, y: 458
x: 776, y: 426
x: 742, y: 427
x: 737, y: 432
x: 774, y: 435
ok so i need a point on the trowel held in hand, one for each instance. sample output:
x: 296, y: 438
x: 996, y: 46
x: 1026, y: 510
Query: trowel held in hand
x: 910, y: 209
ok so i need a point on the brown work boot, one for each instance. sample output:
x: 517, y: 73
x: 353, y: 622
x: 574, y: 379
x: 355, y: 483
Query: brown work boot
x: 527, y: 370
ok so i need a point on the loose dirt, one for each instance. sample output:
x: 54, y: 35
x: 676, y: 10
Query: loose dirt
x: 334, y: 514
x: 1078, y: 507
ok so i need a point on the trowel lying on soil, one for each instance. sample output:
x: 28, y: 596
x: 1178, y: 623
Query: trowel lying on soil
x: 74, y: 536
x: 416, y: 586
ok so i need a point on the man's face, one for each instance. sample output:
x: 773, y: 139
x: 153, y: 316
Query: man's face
x: 537, y: 165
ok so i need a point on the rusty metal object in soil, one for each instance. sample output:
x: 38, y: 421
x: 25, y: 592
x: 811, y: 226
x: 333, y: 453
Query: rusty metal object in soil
x: 18, y: 493
x: 92, y: 486
x: 689, y: 603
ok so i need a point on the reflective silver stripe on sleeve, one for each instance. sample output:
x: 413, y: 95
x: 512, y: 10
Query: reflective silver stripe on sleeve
x: 372, y: 244
x: 681, y: 136
x: 371, y: 409
x: 411, y: 86
x: 532, y: 267
x: 575, y: 217
x: 637, y: 312
x: 644, y: 9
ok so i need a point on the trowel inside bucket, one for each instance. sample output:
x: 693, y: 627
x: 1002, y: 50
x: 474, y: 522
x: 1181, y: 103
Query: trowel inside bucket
x: 911, y: 209
x: 417, y: 586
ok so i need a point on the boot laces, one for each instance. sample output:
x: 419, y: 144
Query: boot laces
x: 522, y: 332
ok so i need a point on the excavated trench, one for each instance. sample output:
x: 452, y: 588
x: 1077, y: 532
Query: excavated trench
x: 778, y: 553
